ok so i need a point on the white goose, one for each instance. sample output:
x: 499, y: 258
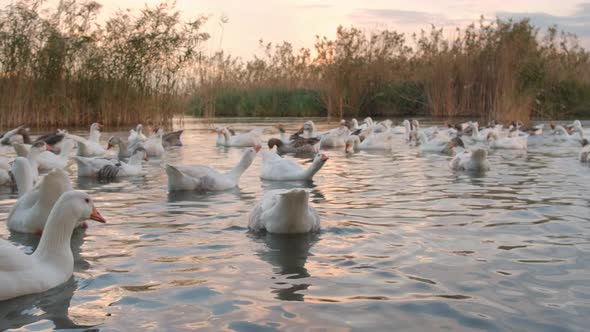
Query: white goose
x: 507, y: 143
x: 470, y: 161
x: 136, y: 135
x: 5, y: 139
x: 6, y: 176
x: 89, y: 147
x: 49, y: 160
x: 124, y: 150
x: 249, y: 139
x: 30, y: 212
x: 334, y: 138
x: 381, y: 141
x: 109, y: 168
x: 276, y: 168
x: 22, y: 175
x: 284, y: 212
x: 153, y: 145
x: 438, y: 144
x: 52, y: 263
x: 584, y: 155
x: 33, y: 156
x: 204, y: 178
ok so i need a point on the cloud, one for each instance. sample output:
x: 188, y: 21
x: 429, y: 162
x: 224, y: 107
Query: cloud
x: 365, y: 15
x: 577, y: 23
x: 314, y: 6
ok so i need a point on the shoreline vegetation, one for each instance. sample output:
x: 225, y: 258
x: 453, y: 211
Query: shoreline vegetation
x: 65, y: 67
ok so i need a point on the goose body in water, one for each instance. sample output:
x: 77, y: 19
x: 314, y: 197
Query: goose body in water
x: 172, y: 139
x: 6, y: 175
x: 298, y: 146
x: 89, y: 147
x: 124, y: 149
x: 48, y: 160
x: 153, y: 145
x: 507, y: 143
x: 249, y: 139
x: 275, y: 168
x: 204, y: 178
x: 584, y: 155
x: 284, y: 212
x: 52, y: 263
x: 374, y: 141
x: 9, y: 137
x: 30, y: 212
x: 103, y: 168
x: 470, y: 161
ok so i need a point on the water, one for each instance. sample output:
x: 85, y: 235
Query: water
x: 406, y: 244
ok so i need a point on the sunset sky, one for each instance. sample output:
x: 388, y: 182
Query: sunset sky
x: 299, y: 21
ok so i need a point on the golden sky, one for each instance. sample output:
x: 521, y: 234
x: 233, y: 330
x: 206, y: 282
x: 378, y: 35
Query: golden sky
x: 299, y: 21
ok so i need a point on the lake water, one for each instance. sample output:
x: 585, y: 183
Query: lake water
x: 406, y: 244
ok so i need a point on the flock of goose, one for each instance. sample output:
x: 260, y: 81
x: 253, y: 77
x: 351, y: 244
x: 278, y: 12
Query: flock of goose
x: 48, y: 206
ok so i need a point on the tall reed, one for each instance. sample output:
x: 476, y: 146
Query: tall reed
x: 66, y: 68
x: 502, y: 70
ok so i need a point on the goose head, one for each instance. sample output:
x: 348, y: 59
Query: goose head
x: 351, y: 144
x: 456, y: 142
x: 320, y: 159
x: 140, y: 153
x: 247, y: 159
x: 113, y: 141
x: 37, y: 148
x: 309, y: 126
x: 275, y: 142
x: 281, y: 128
x: 492, y: 136
x: 80, y: 206
x: 97, y: 126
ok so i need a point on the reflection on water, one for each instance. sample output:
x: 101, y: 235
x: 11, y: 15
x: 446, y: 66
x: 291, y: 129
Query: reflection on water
x: 287, y: 255
x: 406, y: 244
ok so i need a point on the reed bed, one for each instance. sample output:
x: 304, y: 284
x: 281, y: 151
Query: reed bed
x: 65, y: 67
x: 501, y: 70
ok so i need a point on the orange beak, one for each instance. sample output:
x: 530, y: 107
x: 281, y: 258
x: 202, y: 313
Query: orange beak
x: 346, y: 147
x: 145, y: 157
x: 99, y: 125
x: 324, y: 157
x: 257, y: 148
x: 95, y: 215
x: 109, y: 146
x: 49, y: 147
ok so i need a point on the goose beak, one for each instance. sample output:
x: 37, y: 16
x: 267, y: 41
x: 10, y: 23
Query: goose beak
x: 257, y: 148
x: 324, y: 157
x: 145, y: 157
x: 109, y: 146
x: 49, y: 147
x: 99, y: 125
x: 95, y: 215
x: 346, y: 147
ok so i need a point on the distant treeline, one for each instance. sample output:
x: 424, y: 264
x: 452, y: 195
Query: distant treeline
x: 65, y: 66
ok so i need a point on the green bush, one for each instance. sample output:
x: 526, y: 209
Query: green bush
x: 262, y: 102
